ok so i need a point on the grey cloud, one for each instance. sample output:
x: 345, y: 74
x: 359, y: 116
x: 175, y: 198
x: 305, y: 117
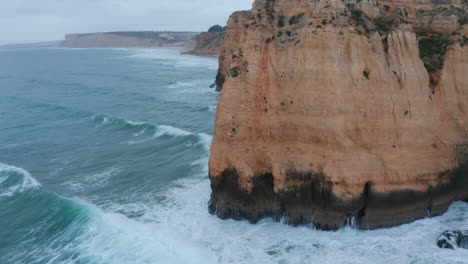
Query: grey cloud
x: 32, y: 20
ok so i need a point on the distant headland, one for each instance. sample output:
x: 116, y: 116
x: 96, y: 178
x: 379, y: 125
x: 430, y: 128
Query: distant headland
x: 130, y: 39
x: 197, y: 43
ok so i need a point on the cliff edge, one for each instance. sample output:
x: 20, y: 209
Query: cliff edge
x: 209, y: 43
x: 342, y: 112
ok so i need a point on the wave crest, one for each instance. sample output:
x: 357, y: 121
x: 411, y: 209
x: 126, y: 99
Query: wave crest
x: 15, y: 180
x: 141, y: 128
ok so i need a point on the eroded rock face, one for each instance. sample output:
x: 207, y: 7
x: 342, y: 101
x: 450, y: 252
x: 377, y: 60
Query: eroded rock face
x: 209, y: 43
x: 453, y: 239
x: 329, y: 115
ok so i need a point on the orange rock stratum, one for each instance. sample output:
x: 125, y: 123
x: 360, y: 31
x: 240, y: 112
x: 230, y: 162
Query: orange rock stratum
x: 335, y: 112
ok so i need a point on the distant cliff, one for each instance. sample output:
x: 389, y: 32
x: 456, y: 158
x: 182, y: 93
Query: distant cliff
x: 130, y: 39
x: 342, y: 112
x: 210, y: 42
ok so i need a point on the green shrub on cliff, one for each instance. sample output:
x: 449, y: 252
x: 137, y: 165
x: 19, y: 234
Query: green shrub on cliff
x: 234, y: 72
x: 383, y: 25
x: 269, y: 9
x: 358, y: 17
x: 296, y: 19
x: 281, y: 21
x: 432, y: 50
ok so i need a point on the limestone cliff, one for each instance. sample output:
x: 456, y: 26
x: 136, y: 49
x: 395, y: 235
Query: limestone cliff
x: 335, y: 112
x: 209, y: 43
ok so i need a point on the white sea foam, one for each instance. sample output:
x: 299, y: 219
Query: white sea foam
x: 22, y: 180
x: 114, y: 238
x: 200, y: 86
x: 137, y: 123
x: 271, y: 242
x: 101, y: 119
x: 180, y: 84
x: 93, y: 180
x: 141, y: 132
x: 174, y: 58
x: 171, y: 131
x: 160, y: 130
x: 164, y: 130
x: 212, y: 108
x: 97, y: 236
x: 184, y: 212
x: 205, y: 140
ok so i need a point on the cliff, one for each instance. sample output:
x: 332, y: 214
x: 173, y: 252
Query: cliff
x: 131, y: 39
x: 209, y: 43
x: 342, y: 112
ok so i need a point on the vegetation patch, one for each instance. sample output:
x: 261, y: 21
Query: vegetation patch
x: 432, y: 50
x: 463, y: 20
x: 269, y: 9
x: 234, y: 72
x: 358, y: 17
x: 281, y: 21
x: 383, y: 25
x: 296, y: 19
x: 234, y: 131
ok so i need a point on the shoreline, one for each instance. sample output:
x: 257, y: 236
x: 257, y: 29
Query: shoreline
x: 182, y: 50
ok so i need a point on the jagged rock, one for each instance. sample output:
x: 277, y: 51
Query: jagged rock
x: 329, y: 111
x: 453, y: 239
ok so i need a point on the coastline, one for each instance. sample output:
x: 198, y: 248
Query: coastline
x: 182, y: 50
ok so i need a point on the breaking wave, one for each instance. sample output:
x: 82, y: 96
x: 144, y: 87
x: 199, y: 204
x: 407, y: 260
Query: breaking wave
x: 15, y: 180
x: 142, y: 128
x: 172, y: 57
x: 71, y: 230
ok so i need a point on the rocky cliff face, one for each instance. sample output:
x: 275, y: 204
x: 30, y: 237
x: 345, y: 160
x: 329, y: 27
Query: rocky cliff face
x: 209, y: 43
x: 335, y: 112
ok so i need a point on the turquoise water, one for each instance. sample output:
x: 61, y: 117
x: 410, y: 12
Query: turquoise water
x: 103, y: 159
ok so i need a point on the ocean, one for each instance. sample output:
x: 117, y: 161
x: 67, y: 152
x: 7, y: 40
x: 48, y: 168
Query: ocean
x: 103, y: 159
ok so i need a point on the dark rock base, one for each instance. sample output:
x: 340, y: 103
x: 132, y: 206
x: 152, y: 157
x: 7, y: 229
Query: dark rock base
x: 312, y: 201
x: 453, y: 239
x: 220, y: 79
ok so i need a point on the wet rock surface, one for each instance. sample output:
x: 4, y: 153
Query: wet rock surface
x: 453, y: 239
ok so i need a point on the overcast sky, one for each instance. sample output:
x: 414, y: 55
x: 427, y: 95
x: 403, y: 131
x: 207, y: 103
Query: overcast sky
x: 23, y: 21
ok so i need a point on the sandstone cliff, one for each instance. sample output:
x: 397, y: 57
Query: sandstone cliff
x: 335, y: 112
x: 129, y: 39
x: 209, y: 43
